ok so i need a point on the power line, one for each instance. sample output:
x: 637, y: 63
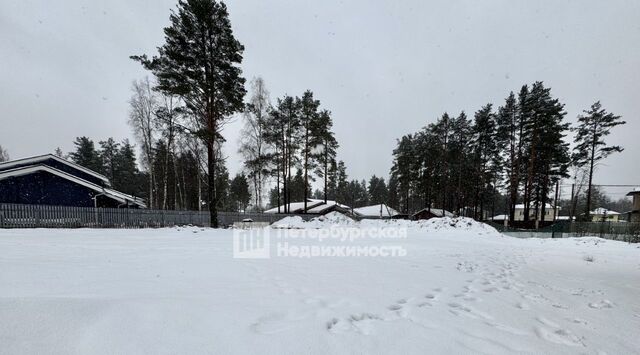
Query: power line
x: 602, y: 185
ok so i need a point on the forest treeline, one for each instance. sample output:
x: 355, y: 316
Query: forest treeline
x: 516, y: 153
x: 489, y: 163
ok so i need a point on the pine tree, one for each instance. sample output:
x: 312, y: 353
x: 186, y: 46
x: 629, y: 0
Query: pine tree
x: 377, y: 190
x: 4, y: 155
x: 402, y: 169
x: 331, y: 179
x: 394, y: 199
x: 126, y: 175
x: 508, y: 138
x: 222, y: 189
x: 442, y: 131
x: 283, y: 134
x: 108, y: 151
x: 86, y: 154
x: 485, y: 150
x: 545, y: 153
x: 342, y: 184
x: 427, y: 153
x: 591, y: 147
x: 461, y: 161
x: 326, y: 156
x: 309, y: 137
x: 239, y: 194
x: 199, y: 63
x: 297, y: 187
x: 58, y: 152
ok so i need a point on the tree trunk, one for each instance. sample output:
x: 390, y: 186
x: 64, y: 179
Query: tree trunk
x: 306, y: 167
x: 593, y: 153
x: 326, y: 168
x: 211, y: 166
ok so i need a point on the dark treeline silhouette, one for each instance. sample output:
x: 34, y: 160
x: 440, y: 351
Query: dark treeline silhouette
x: 515, y: 154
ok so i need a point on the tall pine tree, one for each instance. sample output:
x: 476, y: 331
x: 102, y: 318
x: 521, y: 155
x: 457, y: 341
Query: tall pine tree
x: 591, y: 147
x: 199, y: 62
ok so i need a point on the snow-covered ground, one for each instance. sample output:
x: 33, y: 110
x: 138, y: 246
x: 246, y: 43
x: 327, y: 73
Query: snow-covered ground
x: 461, y: 288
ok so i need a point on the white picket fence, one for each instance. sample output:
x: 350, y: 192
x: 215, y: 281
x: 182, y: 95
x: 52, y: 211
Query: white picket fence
x: 43, y: 216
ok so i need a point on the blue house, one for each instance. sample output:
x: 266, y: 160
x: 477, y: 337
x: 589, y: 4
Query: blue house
x: 51, y: 180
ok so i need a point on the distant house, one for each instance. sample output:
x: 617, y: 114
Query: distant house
x: 428, y: 213
x: 634, y: 214
x: 314, y: 206
x: 548, y: 213
x: 519, y: 214
x: 605, y: 215
x: 51, y: 180
x: 376, y: 211
x: 499, y: 218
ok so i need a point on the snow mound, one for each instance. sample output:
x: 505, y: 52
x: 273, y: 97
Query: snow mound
x: 456, y: 224
x: 290, y: 222
x: 332, y: 219
x: 339, y: 220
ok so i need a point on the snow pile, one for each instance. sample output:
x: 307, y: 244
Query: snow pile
x: 289, y: 222
x: 457, y: 224
x: 339, y: 220
x: 332, y: 219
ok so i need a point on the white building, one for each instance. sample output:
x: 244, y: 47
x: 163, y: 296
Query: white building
x: 602, y: 214
x: 519, y: 215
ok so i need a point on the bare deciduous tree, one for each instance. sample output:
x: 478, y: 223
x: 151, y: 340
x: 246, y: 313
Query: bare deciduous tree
x: 252, y: 145
x: 143, y: 107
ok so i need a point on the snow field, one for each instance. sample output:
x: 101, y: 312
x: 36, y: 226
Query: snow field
x: 462, y: 288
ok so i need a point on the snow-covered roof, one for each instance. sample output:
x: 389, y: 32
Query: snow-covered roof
x: 41, y: 158
x: 379, y: 210
x: 602, y: 211
x: 635, y: 191
x: 116, y: 195
x: 329, y: 202
x: 314, y: 206
x: 437, y: 212
x: 500, y: 217
x: 533, y: 206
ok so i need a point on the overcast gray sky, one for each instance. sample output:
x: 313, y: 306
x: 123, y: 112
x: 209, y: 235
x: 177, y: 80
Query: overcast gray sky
x: 383, y: 68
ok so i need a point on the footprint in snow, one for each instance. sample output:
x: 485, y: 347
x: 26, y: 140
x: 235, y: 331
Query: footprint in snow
x: 276, y: 323
x: 602, y: 304
x: 362, y: 323
x: 430, y: 296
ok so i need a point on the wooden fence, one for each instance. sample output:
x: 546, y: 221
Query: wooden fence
x: 623, y: 231
x: 42, y: 216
